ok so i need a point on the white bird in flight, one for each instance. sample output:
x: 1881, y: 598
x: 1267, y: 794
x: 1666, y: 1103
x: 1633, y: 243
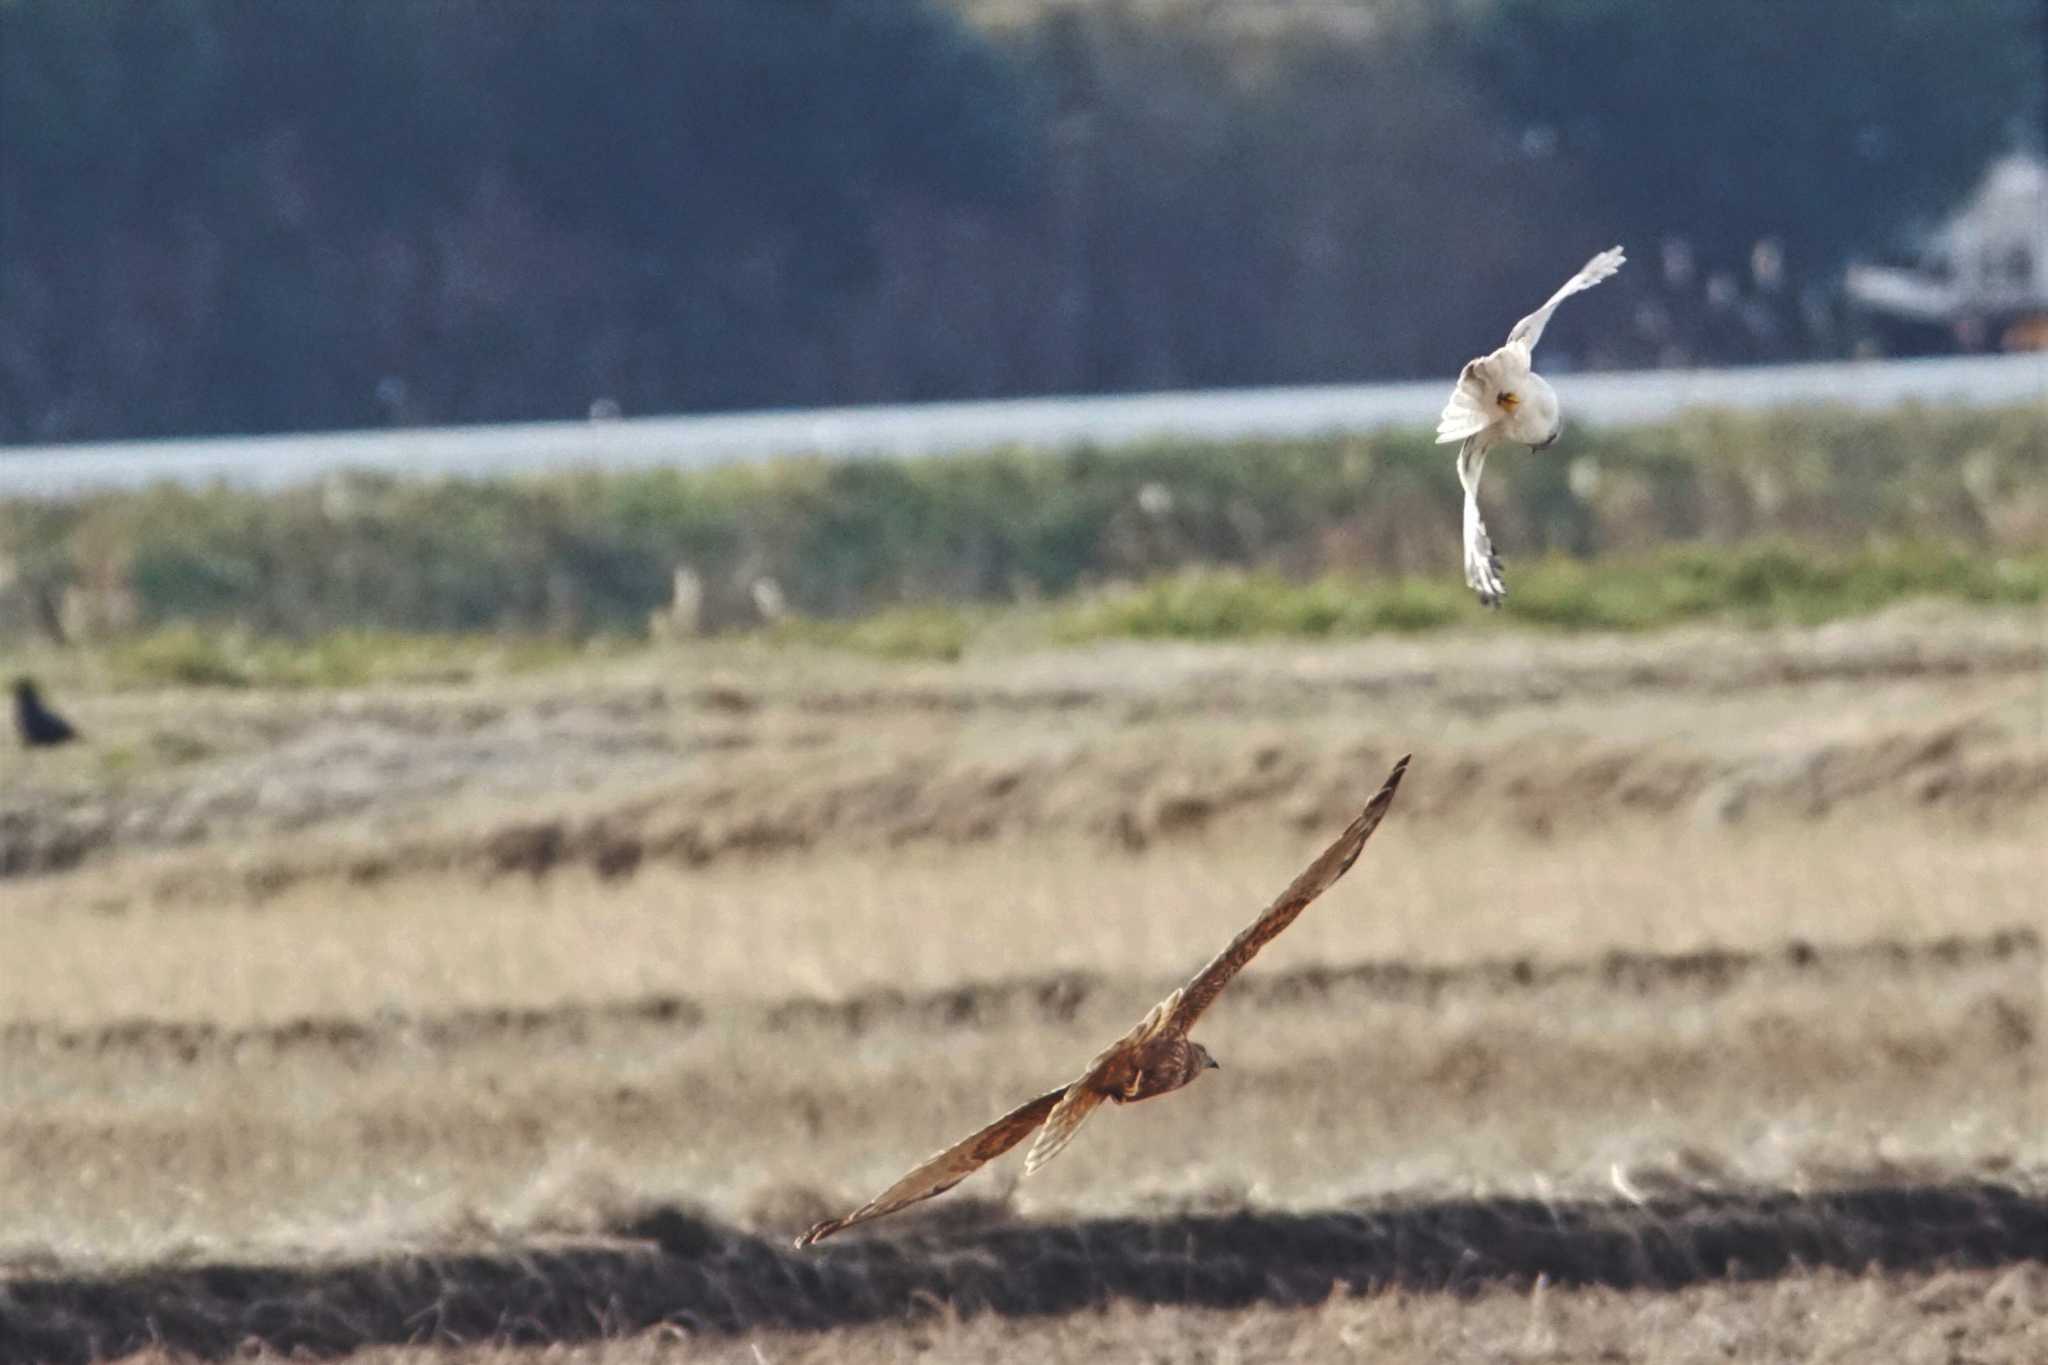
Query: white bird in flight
x: 1499, y: 398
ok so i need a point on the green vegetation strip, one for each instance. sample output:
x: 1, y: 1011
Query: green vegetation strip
x: 1766, y: 585
x: 187, y: 655
x: 1842, y: 496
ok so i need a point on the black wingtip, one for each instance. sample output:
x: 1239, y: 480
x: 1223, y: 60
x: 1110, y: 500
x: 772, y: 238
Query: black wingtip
x: 1393, y: 782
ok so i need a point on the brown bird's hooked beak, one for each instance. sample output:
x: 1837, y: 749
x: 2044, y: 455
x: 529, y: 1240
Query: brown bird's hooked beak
x: 1211, y: 1064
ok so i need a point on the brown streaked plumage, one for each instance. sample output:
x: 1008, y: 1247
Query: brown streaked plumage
x: 1154, y: 1058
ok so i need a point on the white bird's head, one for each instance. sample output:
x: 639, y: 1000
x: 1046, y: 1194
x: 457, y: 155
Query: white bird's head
x: 1529, y: 413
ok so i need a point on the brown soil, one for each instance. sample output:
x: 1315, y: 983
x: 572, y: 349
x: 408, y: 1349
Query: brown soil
x: 683, y: 1270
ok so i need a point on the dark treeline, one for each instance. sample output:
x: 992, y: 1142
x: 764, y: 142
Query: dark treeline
x: 229, y: 215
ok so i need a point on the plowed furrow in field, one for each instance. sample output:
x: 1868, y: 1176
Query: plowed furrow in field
x: 671, y: 1268
x: 1055, y: 998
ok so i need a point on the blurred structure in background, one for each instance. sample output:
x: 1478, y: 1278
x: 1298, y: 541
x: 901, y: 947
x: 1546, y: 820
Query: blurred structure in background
x: 1982, y: 282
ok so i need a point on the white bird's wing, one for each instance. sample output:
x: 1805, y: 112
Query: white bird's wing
x: 1482, y: 566
x: 1530, y: 329
x: 1475, y: 403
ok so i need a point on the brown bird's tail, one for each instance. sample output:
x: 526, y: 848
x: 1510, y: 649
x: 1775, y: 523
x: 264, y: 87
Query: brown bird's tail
x: 1073, y: 1110
x: 1086, y: 1095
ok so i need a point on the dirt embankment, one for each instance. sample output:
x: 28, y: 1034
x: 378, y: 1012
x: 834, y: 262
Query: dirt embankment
x: 1124, y: 745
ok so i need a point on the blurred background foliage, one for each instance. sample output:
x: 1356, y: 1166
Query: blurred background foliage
x: 1824, y: 126
x: 223, y: 216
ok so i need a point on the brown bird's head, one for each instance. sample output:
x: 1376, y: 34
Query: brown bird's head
x: 1203, y: 1061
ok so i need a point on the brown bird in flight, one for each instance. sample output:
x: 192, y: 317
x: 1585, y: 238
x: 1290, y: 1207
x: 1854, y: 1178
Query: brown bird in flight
x: 1152, y: 1059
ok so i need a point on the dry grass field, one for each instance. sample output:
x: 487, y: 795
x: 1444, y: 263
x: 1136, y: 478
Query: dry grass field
x: 1997, y: 1317
x: 464, y: 1016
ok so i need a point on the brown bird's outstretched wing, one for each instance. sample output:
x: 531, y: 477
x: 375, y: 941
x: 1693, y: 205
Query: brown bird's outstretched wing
x: 1319, y: 877
x: 1111, y: 1068
x: 942, y: 1172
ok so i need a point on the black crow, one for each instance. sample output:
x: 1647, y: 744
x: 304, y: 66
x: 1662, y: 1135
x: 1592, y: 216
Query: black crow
x: 37, y: 723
